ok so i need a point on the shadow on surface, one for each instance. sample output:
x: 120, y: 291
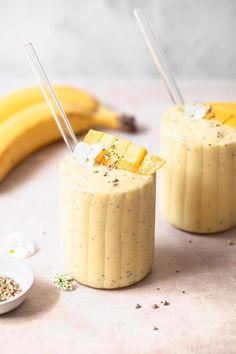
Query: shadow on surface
x: 179, y: 258
x: 41, y: 298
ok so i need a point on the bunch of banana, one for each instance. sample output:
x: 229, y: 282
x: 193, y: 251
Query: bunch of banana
x: 26, y: 123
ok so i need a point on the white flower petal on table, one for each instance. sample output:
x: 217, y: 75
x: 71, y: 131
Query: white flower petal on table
x: 17, y: 246
x: 24, y: 250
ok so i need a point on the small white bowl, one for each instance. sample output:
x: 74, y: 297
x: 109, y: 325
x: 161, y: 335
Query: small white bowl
x: 22, y: 274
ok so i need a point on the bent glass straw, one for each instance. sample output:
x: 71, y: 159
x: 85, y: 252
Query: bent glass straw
x: 50, y: 97
x: 158, y: 55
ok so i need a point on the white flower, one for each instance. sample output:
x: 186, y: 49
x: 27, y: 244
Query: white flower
x: 196, y: 110
x: 16, y: 245
x: 86, y: 153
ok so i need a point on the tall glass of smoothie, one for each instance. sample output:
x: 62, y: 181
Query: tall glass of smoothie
x: 198, y: 182
x: 107, y: 215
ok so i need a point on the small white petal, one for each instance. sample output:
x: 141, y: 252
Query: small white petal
x: 81, y: 151
x: 200, y: 112
x: 16, y: 245
x: 24, y: 250
x: 82, y: 147
x: 86, y: 153
x: 95, y: 150
x: 90, y: 163
x: 195, y: 111
x: 14, y: 237
x: 189, y: 109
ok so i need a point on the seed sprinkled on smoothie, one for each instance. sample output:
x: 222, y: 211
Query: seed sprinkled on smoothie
x: 220, y: 135
x: 115, y: 180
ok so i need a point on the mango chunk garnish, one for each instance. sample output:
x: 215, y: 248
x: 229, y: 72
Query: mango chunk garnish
x: 222, y: 111
x: 100, y: 157
x: 232, y: 122
x: 106, y: 141
x: 132, y: 158
x: 116, y: 150
x: 123, y: 154
x: 150, y: 164
x: 93, y: 136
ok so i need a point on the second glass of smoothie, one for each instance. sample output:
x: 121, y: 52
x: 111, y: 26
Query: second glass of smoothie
x: 198, y: 182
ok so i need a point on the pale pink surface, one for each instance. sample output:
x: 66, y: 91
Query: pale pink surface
x: 203, y: 320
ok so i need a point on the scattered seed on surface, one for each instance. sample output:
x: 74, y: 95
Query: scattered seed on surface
x: 190, y: 241
x: 230, y: 243
x: 166, y: 303
x: 155, y: 306
x: 177, y: 271
x: 158, y: 289
x: 183, y: 292
x: 138, y: 306
x: 155, y: 328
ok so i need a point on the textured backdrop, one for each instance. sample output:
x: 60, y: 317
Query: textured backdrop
x: 101, y: 37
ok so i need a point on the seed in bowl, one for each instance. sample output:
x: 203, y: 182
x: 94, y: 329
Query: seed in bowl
x: 8, y: 288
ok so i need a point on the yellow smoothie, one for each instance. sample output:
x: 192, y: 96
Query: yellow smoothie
x: 107, y: 224
x: 198, y: 182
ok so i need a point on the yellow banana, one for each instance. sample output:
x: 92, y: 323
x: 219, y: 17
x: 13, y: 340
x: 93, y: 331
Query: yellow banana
x: 27, y: 97
x: 34, y: 127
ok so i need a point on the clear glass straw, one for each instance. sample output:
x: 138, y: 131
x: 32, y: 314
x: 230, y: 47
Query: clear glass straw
x: 158, y: 55
x: 50, y: 97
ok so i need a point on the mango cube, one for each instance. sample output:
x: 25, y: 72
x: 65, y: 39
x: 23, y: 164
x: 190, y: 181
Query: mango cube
x: 106, y: 140
x: 123, y: 154
x: 222, y: 111
x: 232, y: 122
x: 132, y: 158
x: 150, y: 164
x: 93, y: 136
